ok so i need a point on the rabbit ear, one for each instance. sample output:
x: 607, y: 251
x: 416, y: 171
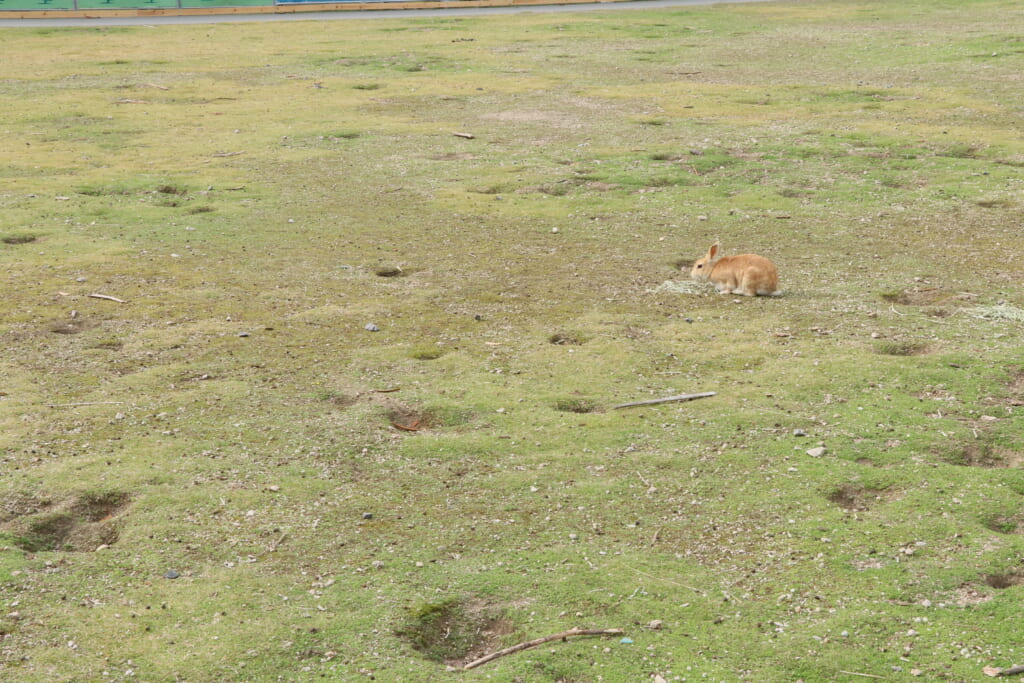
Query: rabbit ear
x: 713, y: 251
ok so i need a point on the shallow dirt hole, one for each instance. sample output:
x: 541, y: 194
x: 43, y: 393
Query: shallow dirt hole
x: 1008, y: 580
x: 566, y: 339
x: 18, y: 239
x: 901, y: 348
x: 576, y: 405
x: 390, y: 271
x: 981, y: 454
x: 455, y: 631
x: 80, y: 524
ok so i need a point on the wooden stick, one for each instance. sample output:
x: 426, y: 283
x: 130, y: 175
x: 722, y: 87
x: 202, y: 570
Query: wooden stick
x: 540, y: 641
x: 108, y: 298
x: 468, y: 136
x: 670, y: 399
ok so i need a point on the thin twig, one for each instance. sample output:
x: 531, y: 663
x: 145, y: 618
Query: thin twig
x: 565, y: 635
x: 468, y: 136
x: 88, y: 403
x: 662, y: 578
x: 670, y: 399
x: 107, y: 298
x: 854, y: 673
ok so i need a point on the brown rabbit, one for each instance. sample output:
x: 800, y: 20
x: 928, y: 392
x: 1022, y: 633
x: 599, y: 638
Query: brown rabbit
x: 747, y: 274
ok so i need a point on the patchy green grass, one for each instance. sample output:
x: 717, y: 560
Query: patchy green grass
x: 347, y: 412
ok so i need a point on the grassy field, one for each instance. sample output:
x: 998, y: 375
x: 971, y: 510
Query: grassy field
x: 369, y: 291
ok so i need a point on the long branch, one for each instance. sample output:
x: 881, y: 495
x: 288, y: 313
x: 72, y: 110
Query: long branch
x: 540, y: 641
x: 670, y: 399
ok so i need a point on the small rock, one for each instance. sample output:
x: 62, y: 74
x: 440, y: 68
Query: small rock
x: 573, y: 537
x: 478, y: 317
x: 816, y: 452
x: 799, y: 432
x: 370, y: 327
x: 171, y: 574
x: 554, y: 230
x: 367, y: 515
x: 243, y: 334
x: 273, y: 488
x: 655, y: 625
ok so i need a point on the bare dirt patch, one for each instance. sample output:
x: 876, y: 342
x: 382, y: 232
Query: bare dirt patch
x: 919, y: 296
x: 967, y: 595
x: 858, y: 498
x: 72, y: 326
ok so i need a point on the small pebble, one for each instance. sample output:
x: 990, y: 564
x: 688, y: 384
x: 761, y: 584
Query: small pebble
x: 554, y: 230
x: 171, y: 574
x: 367, y: 515
x: 243, y: 334
x: 799, y: 432
x: 816, y: 452
x: 655, y: 625
x: 370, y: 327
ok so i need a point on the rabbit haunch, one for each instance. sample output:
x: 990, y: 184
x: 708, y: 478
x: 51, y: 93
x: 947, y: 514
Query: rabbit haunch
x: 747, y: 274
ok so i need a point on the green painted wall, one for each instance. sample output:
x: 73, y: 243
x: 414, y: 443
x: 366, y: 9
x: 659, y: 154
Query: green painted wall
x: 36, y: 4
